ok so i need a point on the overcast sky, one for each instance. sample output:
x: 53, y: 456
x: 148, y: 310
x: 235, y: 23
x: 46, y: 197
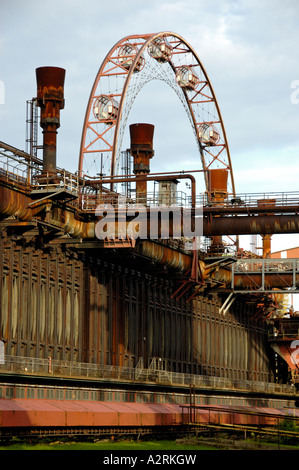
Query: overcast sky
x: 249, y: 49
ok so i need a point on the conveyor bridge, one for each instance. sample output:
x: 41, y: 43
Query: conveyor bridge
x: 265, y: 275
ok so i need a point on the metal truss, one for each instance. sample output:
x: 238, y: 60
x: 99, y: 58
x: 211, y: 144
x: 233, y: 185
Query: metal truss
x: 130, y: 64
x: 265, y: 275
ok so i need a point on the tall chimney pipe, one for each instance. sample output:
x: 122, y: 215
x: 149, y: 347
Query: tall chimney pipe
x: 217, y: 194
x: 266, y: 237
x: 142, y: 150
x: 50, y: 98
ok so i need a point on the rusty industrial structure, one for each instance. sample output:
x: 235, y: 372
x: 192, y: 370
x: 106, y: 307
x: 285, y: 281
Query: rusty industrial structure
x: 137, y: 319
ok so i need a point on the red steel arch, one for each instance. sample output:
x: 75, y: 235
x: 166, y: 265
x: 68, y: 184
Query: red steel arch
x: 132, y: 62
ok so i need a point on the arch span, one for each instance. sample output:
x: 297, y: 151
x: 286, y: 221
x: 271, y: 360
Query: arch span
x: 129, y: 65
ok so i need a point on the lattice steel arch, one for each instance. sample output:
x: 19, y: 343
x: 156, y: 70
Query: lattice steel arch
x: 129, y: 65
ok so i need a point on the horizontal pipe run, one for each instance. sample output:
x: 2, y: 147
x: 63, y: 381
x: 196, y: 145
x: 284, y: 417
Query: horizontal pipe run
x: 247, y: 225
x: 17, y: 203
x: 256, y: 281
x: 260, y: 225
x: 166, y: 256
x: 225, y: 210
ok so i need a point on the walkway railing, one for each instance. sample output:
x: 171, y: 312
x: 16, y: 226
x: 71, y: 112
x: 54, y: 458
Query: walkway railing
x: 257, y: 271
x: 23, y: 168
x: 35, y: 366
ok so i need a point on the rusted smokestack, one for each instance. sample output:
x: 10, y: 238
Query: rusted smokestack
x: 142, y: 150
x: 218, y: 185
x: 217, y: 194
x: 266, y: 237
x: 50, y: 98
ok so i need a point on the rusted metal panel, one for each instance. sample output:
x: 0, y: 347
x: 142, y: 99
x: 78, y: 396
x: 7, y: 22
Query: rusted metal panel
x: 80, y: 308
x: 35, y: 296
x: 19, y: 413
x: 283, y: 348
x: 47, y: 413
x: 128, y: 414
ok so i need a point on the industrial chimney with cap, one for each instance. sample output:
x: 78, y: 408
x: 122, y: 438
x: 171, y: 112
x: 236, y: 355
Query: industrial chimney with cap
x: 50, y: 98
x: 142, y: 151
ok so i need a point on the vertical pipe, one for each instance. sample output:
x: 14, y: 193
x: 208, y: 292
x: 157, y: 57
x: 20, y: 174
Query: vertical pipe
x: 266, y: 245
x: 266, y: 238
x: 217, y: 190
x: 50, y: 98
x: 85, y: 289
x: 142, y: 150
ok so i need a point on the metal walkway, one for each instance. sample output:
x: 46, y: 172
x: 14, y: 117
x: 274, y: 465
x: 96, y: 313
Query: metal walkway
x: 266, y: 275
